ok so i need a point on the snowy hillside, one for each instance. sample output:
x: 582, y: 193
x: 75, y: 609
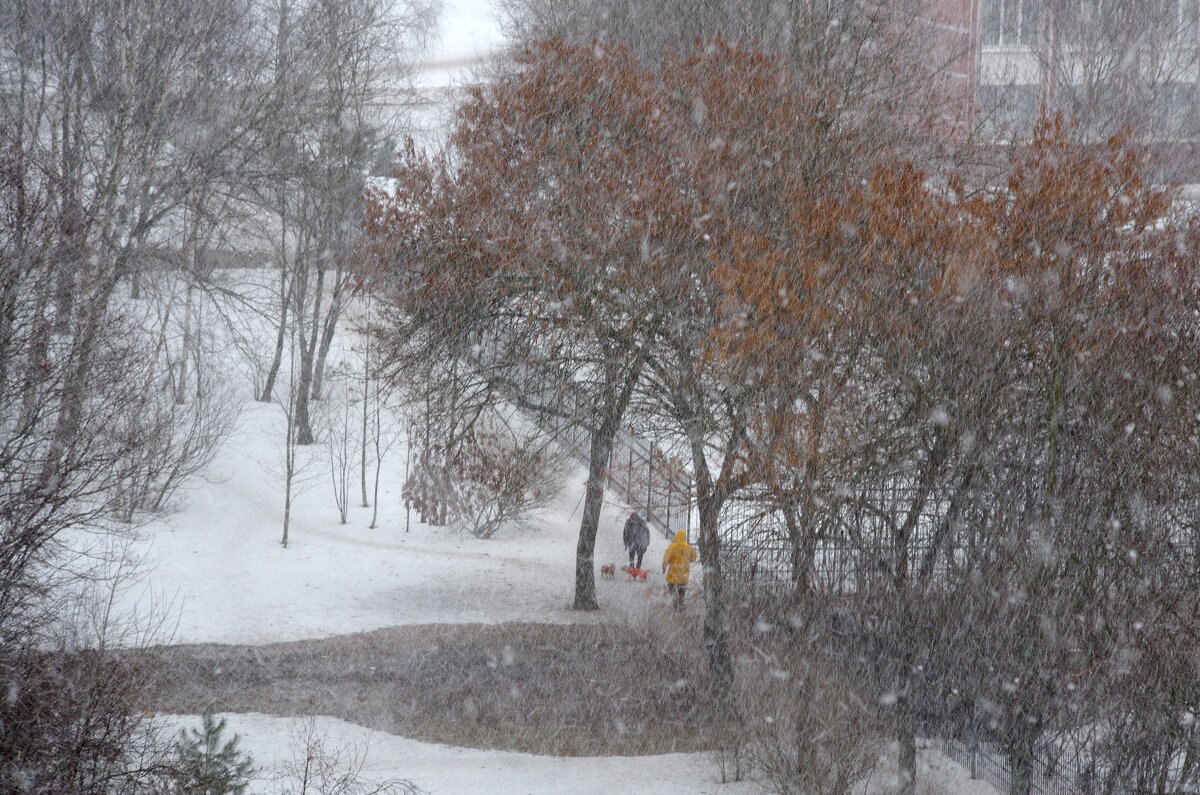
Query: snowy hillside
x: 219, y: 558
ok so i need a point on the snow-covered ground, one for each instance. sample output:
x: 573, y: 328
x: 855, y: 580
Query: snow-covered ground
x: 217, y: 560
x: 464, y: 771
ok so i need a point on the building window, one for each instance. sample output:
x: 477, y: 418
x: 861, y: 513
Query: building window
x: 1009, y: 22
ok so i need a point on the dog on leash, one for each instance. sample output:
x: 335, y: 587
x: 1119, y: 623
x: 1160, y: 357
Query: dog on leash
x: 634, y: 574
x: 608, y: 571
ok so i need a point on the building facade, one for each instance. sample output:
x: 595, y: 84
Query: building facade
x: 1106, y: 64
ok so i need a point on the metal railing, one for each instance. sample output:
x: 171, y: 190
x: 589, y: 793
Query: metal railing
x: 986, y: 761
x: 639, y: 471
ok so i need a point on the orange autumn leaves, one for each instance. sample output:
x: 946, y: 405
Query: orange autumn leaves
x: 1074, y: 225
x: 586, y: 188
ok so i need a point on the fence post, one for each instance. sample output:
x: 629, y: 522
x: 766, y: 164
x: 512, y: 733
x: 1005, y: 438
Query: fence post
x: 670, y: 488
x: 629, y: 477
x: 974, y: 759
x: 649, y: 481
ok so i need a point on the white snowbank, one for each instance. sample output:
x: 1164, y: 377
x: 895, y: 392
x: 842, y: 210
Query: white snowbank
x: 444, y: 770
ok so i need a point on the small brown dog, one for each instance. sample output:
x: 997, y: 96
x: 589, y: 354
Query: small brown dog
x: 608, y: 571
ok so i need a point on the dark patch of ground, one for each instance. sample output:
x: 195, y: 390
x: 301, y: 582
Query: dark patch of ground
x: 568, y: 690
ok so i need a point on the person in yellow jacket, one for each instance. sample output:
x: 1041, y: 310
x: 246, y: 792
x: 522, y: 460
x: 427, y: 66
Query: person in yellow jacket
x: 676, y: 564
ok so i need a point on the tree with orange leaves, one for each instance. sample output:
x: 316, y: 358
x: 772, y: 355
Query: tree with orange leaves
x: 1080, y: 509
x: 752, y: 367
x: 537, y: 241
x: 863, y: 351
x: 741, y: 144
x: 1015, y: 408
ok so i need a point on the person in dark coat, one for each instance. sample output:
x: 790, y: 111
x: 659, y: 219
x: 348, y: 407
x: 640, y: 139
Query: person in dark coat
x: 637, y: 539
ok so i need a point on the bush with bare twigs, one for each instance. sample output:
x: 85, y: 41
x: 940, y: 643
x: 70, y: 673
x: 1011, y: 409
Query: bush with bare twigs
x: 803, y: 728
x: 321, y: 766
x: 495, y: 475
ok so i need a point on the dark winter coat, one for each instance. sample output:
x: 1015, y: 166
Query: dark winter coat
x: 637, y: 533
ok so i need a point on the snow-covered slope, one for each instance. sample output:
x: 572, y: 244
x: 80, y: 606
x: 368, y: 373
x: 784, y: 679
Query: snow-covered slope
x: 219, y: 560
x: 440, y: 769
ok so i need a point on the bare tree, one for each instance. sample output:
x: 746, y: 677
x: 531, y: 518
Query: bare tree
x: 344, y: 446
x: 68, y: 723
x: 322, y: 765
x: 1084, y: 488
x: 337, y: 62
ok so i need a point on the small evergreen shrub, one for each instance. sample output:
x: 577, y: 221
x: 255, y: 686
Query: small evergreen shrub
x: 206, y: 765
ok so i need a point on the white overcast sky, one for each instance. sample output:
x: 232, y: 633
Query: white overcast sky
x: 468, y: 32
x: 468, y: 29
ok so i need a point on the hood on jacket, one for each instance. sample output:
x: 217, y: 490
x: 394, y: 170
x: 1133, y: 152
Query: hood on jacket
x: 680, y: 537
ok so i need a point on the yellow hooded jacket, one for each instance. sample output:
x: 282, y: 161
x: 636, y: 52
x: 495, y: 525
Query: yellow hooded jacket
x: 678, y: 559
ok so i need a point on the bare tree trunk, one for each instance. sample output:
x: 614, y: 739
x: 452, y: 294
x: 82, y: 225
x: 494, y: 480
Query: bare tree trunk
x: 802, y: 538
x: 39, y: 347
x: 185, y: 345
x: 70, y: 412
x: 366, y: 406
x: 285, y: 298
x: 906, y: 733
x: 198, y: 350
x: 1020, y: 762
x: 70, y: 257
x: 593, y: 500
x: 7, y: 313
x: 328, y: 330
x: 287, y: 497
x: 379, y: 466
x: 716, y: 631
x: 304, y: 432
x: 289, y: 460
x: 308, y: 350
